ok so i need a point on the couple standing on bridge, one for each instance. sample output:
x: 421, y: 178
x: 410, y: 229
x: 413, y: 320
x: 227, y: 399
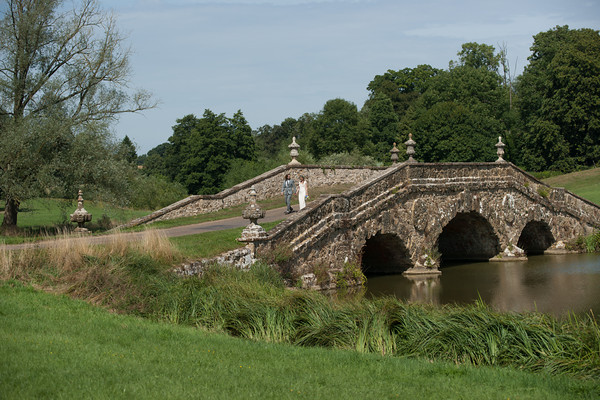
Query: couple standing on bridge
x: 289, y: 188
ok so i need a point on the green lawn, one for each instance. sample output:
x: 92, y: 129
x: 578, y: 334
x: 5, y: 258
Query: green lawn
x: 39, y: 218
x: 56, y: 347
x: 583, y: 183
x: 51, y: 212
x: 211, y: 244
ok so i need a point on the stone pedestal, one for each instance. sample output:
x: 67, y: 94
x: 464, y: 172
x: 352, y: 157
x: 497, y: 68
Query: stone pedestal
x: 500, y: 150
x: 425, y: 265
x: 394, y: 156
x: 558, y: 247
x: 253, y: 231
x: 420, y: 270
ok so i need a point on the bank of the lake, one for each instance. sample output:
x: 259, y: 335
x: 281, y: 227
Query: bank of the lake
x: 56, y: 347
x: 255, y: 305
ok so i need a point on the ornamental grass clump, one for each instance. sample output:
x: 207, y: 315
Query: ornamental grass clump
x: 373, y: 329
x: 480, y: 336
x: 319, y: 323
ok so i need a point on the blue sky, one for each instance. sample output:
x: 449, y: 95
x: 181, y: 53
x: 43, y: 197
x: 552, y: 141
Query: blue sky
x: 279, y: 59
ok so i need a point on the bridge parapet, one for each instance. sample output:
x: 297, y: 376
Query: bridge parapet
x: 267, y: 185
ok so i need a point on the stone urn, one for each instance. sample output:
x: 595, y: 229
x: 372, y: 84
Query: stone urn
x: 81, y: 216
x: 253, y: 212
x: 394, y: 156
x: 294, y: 152
x: 410, y: 148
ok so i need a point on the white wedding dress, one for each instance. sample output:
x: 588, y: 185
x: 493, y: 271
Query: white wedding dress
x: 302, y: 194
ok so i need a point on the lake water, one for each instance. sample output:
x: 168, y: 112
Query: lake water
x: 553, y: 284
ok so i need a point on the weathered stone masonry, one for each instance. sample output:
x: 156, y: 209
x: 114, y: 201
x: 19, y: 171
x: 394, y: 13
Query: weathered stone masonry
x: 407, y: 213
x: 267, y: 185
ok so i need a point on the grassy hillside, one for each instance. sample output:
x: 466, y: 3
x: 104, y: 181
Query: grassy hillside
x: 55, y: 347
x: 39, y: 218
x: 583, y: 183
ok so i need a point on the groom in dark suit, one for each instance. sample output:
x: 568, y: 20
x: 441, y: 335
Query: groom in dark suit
x: 288, y: 189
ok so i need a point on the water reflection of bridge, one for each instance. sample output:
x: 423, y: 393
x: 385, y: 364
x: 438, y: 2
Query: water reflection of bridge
x: 556, y: 284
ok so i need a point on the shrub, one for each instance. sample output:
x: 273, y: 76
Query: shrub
x: 589, y: 244
x: 279, y: 257
x: 350, y: 275
x: 320, y: 269
x: 592, y: 243
x: 546, y: 174
x: 242, y: 170
x: 352, y: 159
x: 154, y: 192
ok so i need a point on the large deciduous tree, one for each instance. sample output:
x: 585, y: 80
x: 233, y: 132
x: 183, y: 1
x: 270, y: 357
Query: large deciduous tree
x: 336, y: 129
x: 479, y: 55
x: 273, y: 139
x: 63, y: 73
x: 402, y: 87
x: 559, y: 100
x: 460, y: 115
x: 201, y: 150
x: 384, y: 127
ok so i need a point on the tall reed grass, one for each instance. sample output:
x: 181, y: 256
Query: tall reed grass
x: 136, y: 278
x: 586, y: 244
x: 119, y: 274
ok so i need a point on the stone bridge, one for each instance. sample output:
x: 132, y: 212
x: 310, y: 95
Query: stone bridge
x: 414, y: 216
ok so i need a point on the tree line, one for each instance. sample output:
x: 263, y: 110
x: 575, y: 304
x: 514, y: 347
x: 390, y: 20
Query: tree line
x: 549, y: 117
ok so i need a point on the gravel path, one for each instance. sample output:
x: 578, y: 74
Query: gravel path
x: 186, y: 230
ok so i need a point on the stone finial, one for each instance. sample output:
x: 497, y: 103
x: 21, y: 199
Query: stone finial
x: 500, y: 149
x: 394, y: 152
x: 81, y: 216
x: 410, y: 148
x: 294, y: 152
x: 253, y: 212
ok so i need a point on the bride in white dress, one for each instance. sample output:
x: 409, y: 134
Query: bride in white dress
x: 302, y: 192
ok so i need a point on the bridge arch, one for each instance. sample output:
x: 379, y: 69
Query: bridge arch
x: 535, y: 237
x: 384, y: 253
x: 468, y: 237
